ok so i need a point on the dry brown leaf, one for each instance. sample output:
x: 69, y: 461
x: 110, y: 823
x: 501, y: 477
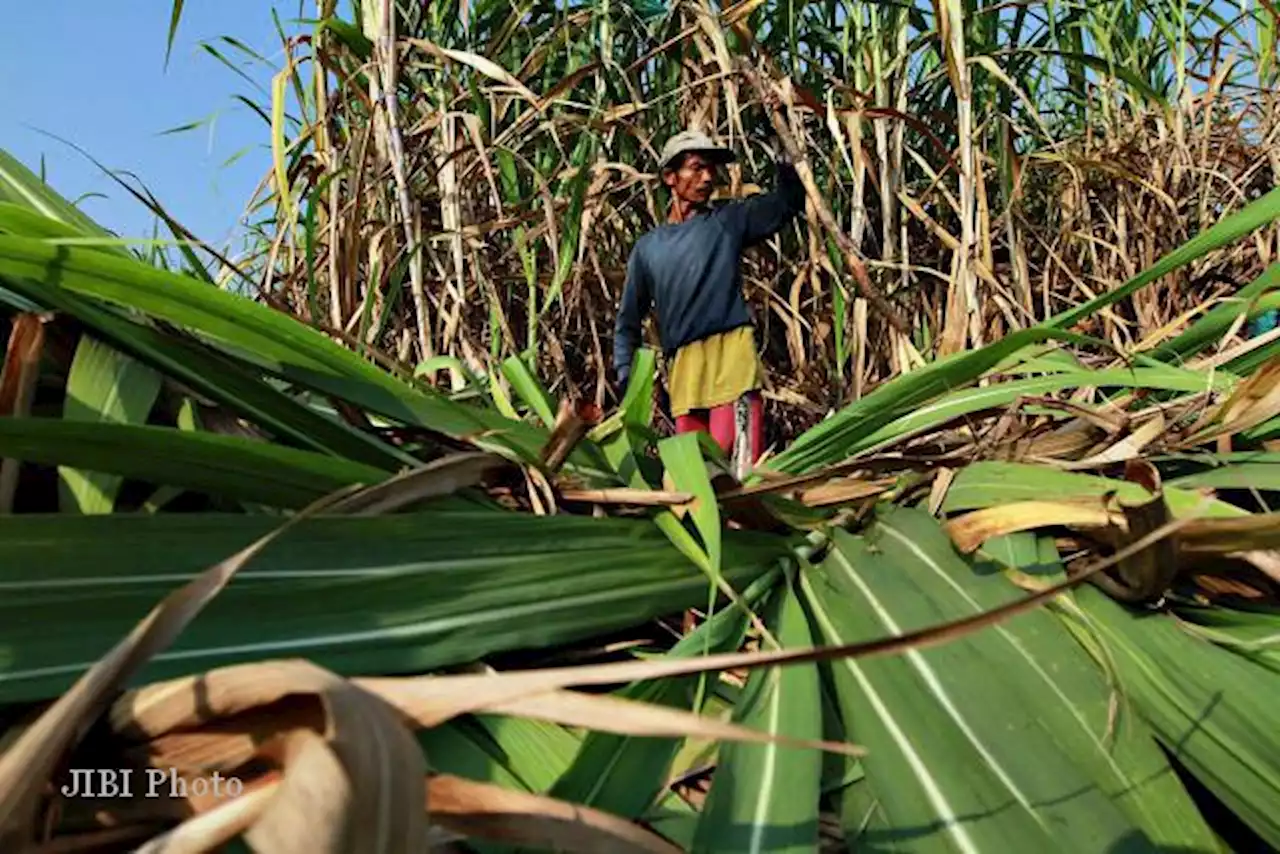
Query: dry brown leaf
x: 1255, y: 400
x: 973, y: 529
x: 362, y: 771
x: 1216, y: 585
x: 438, y: 477
x: 938, y: 491
x: 314, y: 809
x: 606, y: 714
x: 1266, y: 562
x: 29, y: 762
x: 848, y: 489
x: 1108, y: 420
x: 167, y: 712
x: 460, y: 808
x: 218, y: 826
x: 223, y: 746
x: 1258, y: 532
x: 485, y: 811
x: 628, y: 496
x: 1125, y: 449
x: 18, y: 375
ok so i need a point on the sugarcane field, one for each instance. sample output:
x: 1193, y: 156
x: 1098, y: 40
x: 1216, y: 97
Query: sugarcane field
x: 640, y: 427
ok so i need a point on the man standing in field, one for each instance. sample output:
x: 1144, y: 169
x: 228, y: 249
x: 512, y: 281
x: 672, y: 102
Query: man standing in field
x: 688, y: 271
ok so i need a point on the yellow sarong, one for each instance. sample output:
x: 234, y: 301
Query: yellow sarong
x: 714, y: 371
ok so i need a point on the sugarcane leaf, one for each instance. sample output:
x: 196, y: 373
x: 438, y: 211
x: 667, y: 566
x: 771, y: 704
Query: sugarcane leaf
x: 1055, y: 684
x: 1245, y: 470
x: 1209, y: 706
x: 999, y: 394
x: 21, y: 187
x: 637, y: 403
x: 26, y: 222
x: 623, y: 775
x: 683, y: 459
x: 229, y: 466
x: 1253, y: 634
x: 957, y: 756
x: 272, y: 340
x: 104, y: 386
x: 530, y: 390
x: 765, y: 797
x: 232, y: 384
x: 833, y: 439
x: 392, y: 594
x: 989, y: 483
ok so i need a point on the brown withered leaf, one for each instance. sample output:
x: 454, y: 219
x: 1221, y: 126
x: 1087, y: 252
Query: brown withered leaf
x: 486, y: 811
x: 973, y: 529
x: 627, y: 496
x: 573, y: 421
x: 444, y: 476
x: 1255, y: 400
x: 18, y: 375
x: 360, y: 768
x: 215, y: 827
x: 846, y: 489
x: 600, y: 712
x: 1125, y: 449
x: 1257, y: 532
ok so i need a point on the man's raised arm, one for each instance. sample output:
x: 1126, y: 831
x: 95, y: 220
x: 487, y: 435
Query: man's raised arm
x: 763, y: 216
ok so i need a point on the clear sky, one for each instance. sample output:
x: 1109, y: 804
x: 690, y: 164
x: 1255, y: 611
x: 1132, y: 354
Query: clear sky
x: 93, y: 73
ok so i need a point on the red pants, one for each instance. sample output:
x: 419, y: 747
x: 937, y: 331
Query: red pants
x: 723, y: 424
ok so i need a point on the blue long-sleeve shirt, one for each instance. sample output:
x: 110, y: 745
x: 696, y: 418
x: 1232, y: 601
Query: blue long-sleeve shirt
x: 689, y: 271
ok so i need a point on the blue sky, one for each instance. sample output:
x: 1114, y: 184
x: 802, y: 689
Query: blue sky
x: 93, y: 73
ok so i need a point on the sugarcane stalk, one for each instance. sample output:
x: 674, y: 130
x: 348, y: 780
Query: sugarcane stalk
x: 850, y: 252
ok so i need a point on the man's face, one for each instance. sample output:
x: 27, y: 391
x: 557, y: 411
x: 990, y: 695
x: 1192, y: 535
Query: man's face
x: 693, y: 180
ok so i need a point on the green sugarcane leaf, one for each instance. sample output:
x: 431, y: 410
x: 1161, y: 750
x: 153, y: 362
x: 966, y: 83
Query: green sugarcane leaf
x: 832, y: 440
x: 270, y: 339
x: 959, y: 755
x: 228, y: 466
x: 625, y: 775
x: 21, y: 187
x: 530, y: 390
x: 683, y: 459
x: 232, y: 384
x: 1051, y: 680
x: 764, y: 797
x: 401, y: 593
x: 104, y: 386
x: 1244, y: 470
x: 1211, y: 707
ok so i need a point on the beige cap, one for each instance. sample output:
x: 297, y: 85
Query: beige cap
x: 692, y: 140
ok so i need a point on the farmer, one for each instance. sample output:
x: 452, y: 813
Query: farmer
x: 688, y: 271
